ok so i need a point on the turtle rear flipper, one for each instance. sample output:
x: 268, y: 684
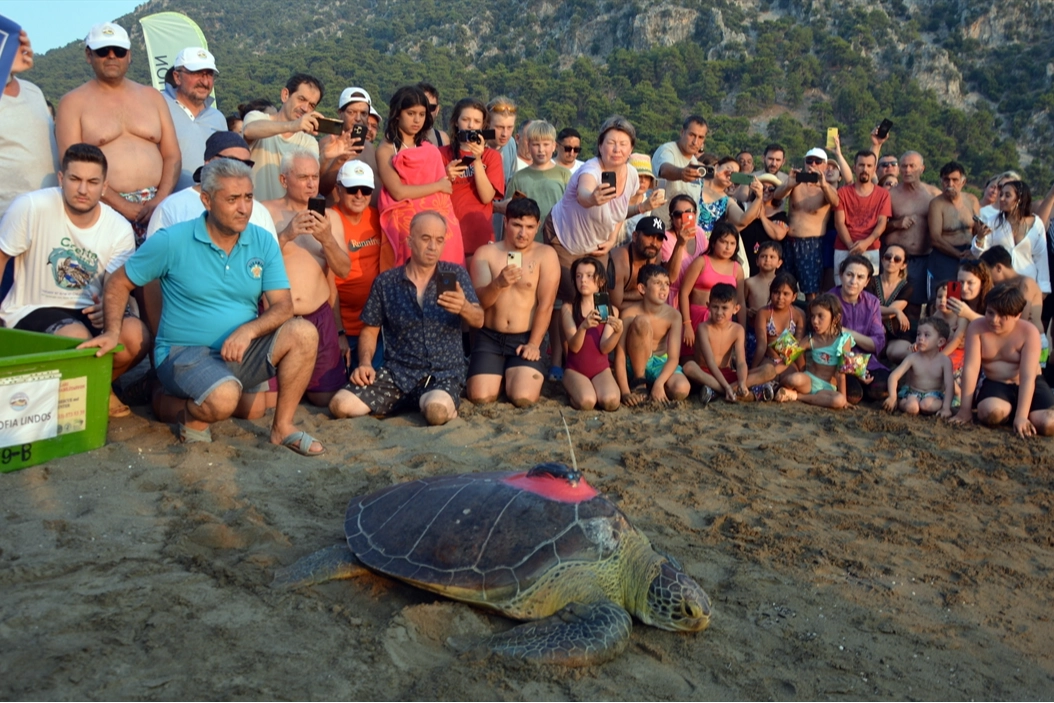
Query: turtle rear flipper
x: 329, y: 564
x: 580, y: 634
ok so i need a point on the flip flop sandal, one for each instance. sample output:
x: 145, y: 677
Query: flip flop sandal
x: 300, y: 442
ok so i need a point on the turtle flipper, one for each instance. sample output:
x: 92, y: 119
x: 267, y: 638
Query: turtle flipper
x: 329, y: 564
x: 580, y: 634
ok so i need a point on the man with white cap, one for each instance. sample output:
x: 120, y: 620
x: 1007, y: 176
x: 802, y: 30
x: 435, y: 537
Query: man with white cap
x: 374, y: 121
x: 369, y: 251
x: 336, y: 150
x: 188, y: 93
x: 810, y: 206
x: 128, y: 121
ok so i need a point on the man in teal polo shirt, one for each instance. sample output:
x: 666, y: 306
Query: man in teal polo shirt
x: 212, y: 348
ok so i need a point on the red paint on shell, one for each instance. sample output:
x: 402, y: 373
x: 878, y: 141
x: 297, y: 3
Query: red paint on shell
x: 558, y: 489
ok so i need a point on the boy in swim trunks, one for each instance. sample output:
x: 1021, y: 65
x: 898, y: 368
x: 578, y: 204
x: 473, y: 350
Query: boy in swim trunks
x: 930, y: 376
x: 650, y: 349
x: 1006, y: 348
x: 718, y: 343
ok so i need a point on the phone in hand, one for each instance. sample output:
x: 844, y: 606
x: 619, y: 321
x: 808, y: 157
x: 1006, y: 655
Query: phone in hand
x: 467, y: 159
x: 607, y: 179
x: 358, y: 135
x: 446, y: 282
x: 978, y: 220
x: 832, y: 137
x: 742, y: 179
x: 883, y: 129
x: 807, y: 177
x: 514, y: 258
x: 602, y: 302
x: 317, y: 203
x: 955, y: 290
x: 688, y: 220
x: 707, y: 172
x: 328, y: 126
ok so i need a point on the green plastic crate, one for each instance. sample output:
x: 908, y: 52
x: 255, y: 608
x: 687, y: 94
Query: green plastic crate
x: 83, y: 399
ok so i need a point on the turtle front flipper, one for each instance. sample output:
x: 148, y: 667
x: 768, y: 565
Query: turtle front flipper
x: 580, y: 634
x: 329, y: 564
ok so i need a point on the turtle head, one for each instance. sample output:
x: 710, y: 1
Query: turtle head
x: 675, y: 601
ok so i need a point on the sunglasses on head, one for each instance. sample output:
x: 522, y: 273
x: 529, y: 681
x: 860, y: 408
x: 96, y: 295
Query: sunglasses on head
x: 572, y: 149
x: 815, y: 160
x: 894, y: 258
x: 104, y: 51
x: 503, y: 110
x: 359, y: 190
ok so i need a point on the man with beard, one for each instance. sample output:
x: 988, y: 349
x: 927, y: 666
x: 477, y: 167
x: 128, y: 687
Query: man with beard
x: 861, y: 214
x: 627, y: 260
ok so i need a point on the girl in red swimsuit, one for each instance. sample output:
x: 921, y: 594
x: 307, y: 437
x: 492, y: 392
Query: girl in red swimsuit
x: 718, y: 265
x: 590, y: 338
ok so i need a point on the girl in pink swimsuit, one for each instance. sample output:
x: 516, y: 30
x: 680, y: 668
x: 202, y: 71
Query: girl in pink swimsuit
x: 718, y: 265
x: 590, y: 338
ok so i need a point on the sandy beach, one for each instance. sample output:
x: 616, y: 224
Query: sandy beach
x: 851, y: 555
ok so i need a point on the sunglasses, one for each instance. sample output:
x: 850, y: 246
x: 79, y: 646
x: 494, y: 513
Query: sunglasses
x: 359, y: 190
x: 572, y: 149
x: 104, y: 52
x: 887, y: 164
x: 682, y: 213
x: 815, y: 160
x: 894, y: 259
x: 248, y: 162
x: 432, y: 107
x: 503, y: 110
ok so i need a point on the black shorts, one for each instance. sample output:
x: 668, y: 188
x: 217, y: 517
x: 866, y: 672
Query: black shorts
x: 383, y: 397
x: 51, y: 320
x: 1042, y: 398
x: 494, y: 353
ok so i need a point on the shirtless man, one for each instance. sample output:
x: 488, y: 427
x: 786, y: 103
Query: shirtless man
x: 650, y: 349
x: 1007, y: 350
x: 909, y: 227
x: 950, y: 218
x: 129, y: 122
x: 627, y: 260
x: 1001, y: 267
x: 810, y: 206
x: 313, y: 252
x: 517, y: 300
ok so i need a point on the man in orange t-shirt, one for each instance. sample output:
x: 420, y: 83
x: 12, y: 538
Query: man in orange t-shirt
x: 369, y: 251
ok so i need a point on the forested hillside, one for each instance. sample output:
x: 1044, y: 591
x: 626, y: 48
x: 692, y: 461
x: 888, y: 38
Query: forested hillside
x: 960, y: 79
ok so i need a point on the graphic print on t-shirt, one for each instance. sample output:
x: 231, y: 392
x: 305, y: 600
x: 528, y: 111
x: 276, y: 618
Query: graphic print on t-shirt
x: 73, y: 267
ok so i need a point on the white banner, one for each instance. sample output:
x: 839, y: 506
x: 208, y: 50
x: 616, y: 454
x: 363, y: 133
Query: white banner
x: 29, y: 407
x: 166, y: 34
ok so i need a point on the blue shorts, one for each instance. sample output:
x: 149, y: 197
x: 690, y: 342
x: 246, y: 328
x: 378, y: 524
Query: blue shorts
x: 195, y: 372
x: 805, y: 261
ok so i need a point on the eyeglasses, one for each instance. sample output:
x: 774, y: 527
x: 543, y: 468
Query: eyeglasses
x: 103, y: 52
x: 359, y: 190
x: 887, y: 164
x: 572, y: 149
x: 894, y: 259
x: 815, y: 160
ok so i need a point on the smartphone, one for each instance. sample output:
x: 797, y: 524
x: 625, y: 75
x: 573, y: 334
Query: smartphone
x: 688, y: 219
x: 467, y: 160
x: 602, y: 302
x: 832, y: 136
x: 883, y: 129
x: 707, y: 172
x: 742, y: 179
x: 446, y: 282
x: 358, y: 135
x: 317, y: 203
x: 978, y: 220
x: 514, y: 258
x: 955, y: 290
x: 607, y: 178
x: 328, y: 126
x: 807, y: 177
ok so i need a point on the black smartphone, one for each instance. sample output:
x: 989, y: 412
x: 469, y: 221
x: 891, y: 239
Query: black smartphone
x: 467, y: 159
x: 807, y: 177
x: 742, y: 179
x: 883, y: 129
x: 955, y: 290
x: 328, y: 126
x: 317, y: 203
x: 446, y: 282
x: 602, y: 302
x: 607, y: 179
x: 358, y: 135
x: 978, y: 220
x: 707, y: 171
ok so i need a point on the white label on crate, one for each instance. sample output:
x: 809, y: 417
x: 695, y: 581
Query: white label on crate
x: 29, y: 408
x: 73, y: 405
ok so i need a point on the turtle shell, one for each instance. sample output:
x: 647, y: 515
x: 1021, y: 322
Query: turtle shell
x: 482, y: 537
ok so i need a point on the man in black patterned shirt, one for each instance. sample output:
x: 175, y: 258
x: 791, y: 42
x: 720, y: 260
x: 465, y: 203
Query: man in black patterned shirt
x: 424, y: 362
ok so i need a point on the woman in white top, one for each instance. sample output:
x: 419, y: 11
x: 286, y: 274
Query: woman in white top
x: 1017, y: 229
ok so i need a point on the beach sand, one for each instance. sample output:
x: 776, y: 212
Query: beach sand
x: 849, y: 555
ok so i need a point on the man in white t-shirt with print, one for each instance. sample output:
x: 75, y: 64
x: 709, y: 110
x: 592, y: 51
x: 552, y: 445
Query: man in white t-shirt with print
x: 674, y: 164
x: 65, y: 242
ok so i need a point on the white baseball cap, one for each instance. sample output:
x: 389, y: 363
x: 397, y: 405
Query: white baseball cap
x: 355, y: 173
x: 818, y: 153
x: 374, y: 113
x: 107, y: 34
x: 195, y: 58
x: 353, y: 95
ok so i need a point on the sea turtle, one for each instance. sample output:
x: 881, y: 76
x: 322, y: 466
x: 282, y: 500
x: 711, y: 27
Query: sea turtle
x: 540, y: 545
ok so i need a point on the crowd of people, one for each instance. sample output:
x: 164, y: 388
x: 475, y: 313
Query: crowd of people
x: 375, y: 266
